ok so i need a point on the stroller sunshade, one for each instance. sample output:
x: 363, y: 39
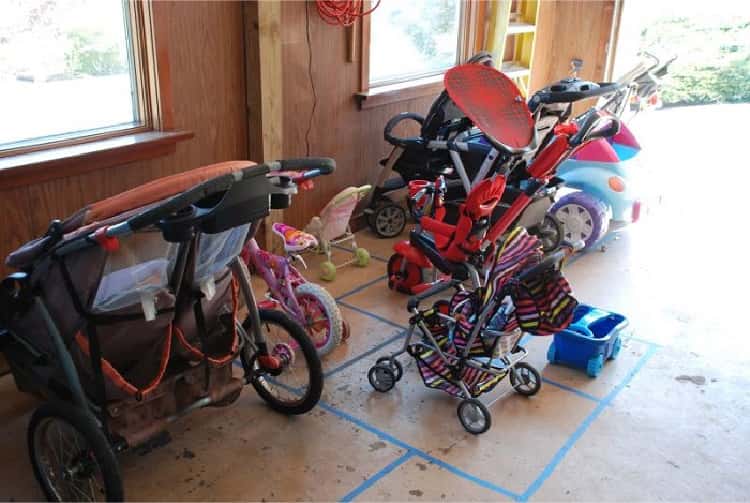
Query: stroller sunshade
x: 493, y: 103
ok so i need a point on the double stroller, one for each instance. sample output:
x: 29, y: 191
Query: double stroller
x: 126, y: 316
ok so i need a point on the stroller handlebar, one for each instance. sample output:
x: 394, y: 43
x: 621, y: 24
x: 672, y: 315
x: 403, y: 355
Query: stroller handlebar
x: 320, y: 165
x: 397, y: 141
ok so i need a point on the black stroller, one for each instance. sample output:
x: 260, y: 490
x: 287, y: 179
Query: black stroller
x: 125, y: 317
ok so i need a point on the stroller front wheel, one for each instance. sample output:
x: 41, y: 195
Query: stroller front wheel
x: 398, y: 369
x: 525, y: 379
x: 474, y: 416
x: 71, y: 457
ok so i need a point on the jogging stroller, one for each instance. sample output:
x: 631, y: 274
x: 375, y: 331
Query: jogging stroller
x: 125, y: 317
x: 466, y: 346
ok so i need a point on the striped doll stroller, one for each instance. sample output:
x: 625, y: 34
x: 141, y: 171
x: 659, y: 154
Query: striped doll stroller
x: 466, y: 345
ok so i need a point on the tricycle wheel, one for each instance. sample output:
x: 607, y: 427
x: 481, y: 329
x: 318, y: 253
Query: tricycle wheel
x: 71, y: 457
x: 550, y: 232
x: 296, y: 385
x: 616, y: 349
x: 398, y: 370
x: 583, y: 216
x: 525, y: 379
x: 388, y: 219
x: 474, y: 416
x: 595, y: 365
x: 403, y: 280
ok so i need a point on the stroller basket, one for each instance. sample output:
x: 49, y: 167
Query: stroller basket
x: 437, y: 373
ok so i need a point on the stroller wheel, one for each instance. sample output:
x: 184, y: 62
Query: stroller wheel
x: 395, y: 365
x: 381, y: 377
x: 474, y: 416
x: 327, y: 271
x: 71, y: 457
x: 388, y: 220
x: 525, y: 379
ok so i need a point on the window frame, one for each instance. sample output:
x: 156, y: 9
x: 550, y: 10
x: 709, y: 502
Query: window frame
x: 151, y: 102
x: 471, y: 24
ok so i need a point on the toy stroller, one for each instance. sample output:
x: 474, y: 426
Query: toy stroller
x: 467, y: 345
x: 124, y: 317
x: 332, y: 228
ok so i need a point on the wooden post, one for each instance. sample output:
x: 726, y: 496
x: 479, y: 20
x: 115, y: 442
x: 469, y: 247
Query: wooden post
x: 264, y: 74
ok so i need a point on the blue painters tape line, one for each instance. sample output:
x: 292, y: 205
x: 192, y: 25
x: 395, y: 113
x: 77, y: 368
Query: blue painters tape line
x: 644, y: 341
x: 344, y: 248
x: 560, y: 454
x: 372, y: 315
x: 367, y: 353
x: 573, y: 390
x: 418, y: 452
x: 362, y: 287
x: 370, y: 481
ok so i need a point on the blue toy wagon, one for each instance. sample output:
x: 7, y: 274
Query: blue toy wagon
x: 592, y: 338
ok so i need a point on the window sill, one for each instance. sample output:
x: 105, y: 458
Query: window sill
x: 403, y: 91
x: 60, y: 162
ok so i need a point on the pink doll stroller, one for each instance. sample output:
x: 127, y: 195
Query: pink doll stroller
x: 332, y: 228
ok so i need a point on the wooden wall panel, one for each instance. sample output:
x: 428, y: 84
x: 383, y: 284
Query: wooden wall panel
x: 206, y: 59
x: 340, y: 129
x: 567, y: 30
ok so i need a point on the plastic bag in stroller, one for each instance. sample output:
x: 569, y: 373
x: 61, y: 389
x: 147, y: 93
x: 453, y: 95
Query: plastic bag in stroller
x: 467, y: 345
x: 126, y: 316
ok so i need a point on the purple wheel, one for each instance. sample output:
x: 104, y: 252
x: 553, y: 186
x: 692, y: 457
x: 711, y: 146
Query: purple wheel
x: 583, y: 217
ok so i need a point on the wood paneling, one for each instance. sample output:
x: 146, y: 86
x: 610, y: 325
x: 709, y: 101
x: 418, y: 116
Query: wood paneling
x: 339, y: 129
x: 567, y: 30
x: 206, y: 65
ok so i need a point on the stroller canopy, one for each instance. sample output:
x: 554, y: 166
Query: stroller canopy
x: 493, y: 103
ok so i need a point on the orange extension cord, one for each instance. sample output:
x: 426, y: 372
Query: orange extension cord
x: 342, y: 12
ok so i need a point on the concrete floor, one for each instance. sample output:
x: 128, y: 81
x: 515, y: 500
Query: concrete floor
x: 667, y: 420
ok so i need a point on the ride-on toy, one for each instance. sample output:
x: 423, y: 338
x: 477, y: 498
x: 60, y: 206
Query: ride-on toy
x: 605, y: 174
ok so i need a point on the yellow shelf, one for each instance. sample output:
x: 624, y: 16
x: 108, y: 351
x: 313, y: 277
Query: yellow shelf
x: 515, y: 28
x: 514, y: 69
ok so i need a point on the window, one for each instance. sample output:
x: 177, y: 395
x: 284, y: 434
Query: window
x: 70, y: 70
x: 413, y: 39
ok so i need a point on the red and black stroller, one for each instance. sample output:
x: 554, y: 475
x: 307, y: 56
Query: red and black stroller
x: 125, y: 317
x: 467, y: 345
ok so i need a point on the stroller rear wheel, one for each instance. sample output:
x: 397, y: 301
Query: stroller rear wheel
x: 382, y: 377
x: 388, y: 219
x: 474, y: 416
x: 71, y: 457
x: 398, y: 370
x: 525, y: 379
x: 296, y: 387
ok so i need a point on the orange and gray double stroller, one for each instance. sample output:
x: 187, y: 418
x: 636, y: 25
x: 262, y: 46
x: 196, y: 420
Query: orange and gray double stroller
x: 125, y: 317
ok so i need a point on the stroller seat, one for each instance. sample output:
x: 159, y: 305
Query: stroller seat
x: 457, y: 242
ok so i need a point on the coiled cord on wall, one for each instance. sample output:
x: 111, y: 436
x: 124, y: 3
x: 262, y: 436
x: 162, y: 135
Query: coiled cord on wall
x: 342, y: 12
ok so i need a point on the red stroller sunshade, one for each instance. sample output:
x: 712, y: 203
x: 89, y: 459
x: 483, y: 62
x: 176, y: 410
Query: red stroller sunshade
x: 493, y: 103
